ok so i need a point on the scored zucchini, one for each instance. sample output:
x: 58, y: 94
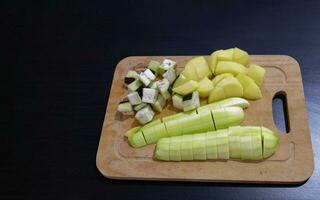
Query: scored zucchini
x: 253, y: 145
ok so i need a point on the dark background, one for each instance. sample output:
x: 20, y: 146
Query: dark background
x: 62, y: 58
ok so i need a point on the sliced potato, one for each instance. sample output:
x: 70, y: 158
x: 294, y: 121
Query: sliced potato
x: 230, y: 67
x: 205, y: 87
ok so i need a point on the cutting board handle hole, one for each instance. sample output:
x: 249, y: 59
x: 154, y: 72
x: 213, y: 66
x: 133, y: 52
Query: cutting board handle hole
x: 280, y: 112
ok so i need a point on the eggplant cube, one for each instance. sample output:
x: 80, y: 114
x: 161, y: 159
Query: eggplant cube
x: 145, y: 115
x: 149, y: 95
x: 148, y: 73
x: 144, y: 79
x: 191, y: 101
x: 134, y: 98
x: 170, y: 75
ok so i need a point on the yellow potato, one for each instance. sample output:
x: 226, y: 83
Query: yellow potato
x: 212, y: 61
x: 250, y: 88
x: 240, y: 56
x: 187, y: 87
x: 225, y: 55
x: 230, y: 67
x: 190, y: 72
x: 227, y: 87
x: 205, y: 87
x: 257, y: 73
x: 201, y: 66
x: 219, y: 77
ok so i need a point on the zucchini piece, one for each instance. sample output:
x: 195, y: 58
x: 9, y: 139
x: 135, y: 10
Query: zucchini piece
x: 175, y: 154
x: 225, y: 117
x: 136, y: 139
x: 162, y: 151
x: 186, y: 147
x: 222, y: 144
x: 153, y: 133
x: 211, y: 145
x: 199, y: 146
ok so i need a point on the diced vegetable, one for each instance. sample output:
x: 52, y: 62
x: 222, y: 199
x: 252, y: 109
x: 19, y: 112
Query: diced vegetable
x: 149, y: 95
x: 134, y: 85
x: 134, y: 98
x: 191, y: 101
x: 125, y: 108
x: 170, y: 75
x: 181, y: 79
x: 177, y: 101
x: 154, y: 66
x: 145, y: 115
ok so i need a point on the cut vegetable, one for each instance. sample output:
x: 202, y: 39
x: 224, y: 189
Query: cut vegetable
x: 212, y: 61
x: 140, y: 106
x: 225, y: 55
x: 219, y: 145
x: 201, y: 66
x: 145, y: 115
x: 191, y: 101
x: 190, y: 72
x: 181, y: 79
x: 205, y: 87
x: 199, y: 146
x: 132, y: 74
x: 154, y: 66
x: 134, y: 98
x: 250, y: 88
x: 225, y: 117
x: 230, y: 67
x: 144, y: 79
x: 186, y: 88
x: 163, y: 86
x: 177, y: 101
x: 219, y: 77
x: 149, y: 74
x: 154, y: 132
x: 165, y: 65
x: 240, y: 56
x: 170, y: 75
x: 134, y: 85
x: 159, y: 104
x: 257, y: 73
x: 136, y: 139
x: 125, y: 108
x: 228, y: 87
x: 233, y: 101
x: 149, y: 95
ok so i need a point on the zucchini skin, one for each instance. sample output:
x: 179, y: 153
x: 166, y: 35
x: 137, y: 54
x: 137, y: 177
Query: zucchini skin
x: 255, y: 143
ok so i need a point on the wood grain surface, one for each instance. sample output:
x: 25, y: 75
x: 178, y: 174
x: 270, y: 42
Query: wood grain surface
x: 292, y: 162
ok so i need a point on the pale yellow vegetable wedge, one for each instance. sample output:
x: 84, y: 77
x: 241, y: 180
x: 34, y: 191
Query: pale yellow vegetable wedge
x: 205, y: 87
x: 230, y: 67
x: 250, y: 88
x: 212, y: 61
x: 187, y: 87
x: 225, y: 55
x: 228, y: 87
x: 240, y: 56
x: 219, y: 77
x: 257, y: 73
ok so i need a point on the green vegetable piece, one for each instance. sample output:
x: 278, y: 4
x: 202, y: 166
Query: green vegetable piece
x: 186, y: 147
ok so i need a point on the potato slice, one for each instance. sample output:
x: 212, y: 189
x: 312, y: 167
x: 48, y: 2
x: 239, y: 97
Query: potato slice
x: 250, y: 88
x: 219, y: 77
x: 212, y: 61
x: 187, y: 87
x: 228, y: 87
x: 240, y: 56
x: 257, y: 73
x: 205, y: 87
x: 230, y: 67
x: 225, y: 55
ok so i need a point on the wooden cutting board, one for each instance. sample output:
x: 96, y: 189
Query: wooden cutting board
x: 292, y: 162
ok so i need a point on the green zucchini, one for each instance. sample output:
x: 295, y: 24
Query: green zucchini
x: 253, y: 143
x: 209, y: 119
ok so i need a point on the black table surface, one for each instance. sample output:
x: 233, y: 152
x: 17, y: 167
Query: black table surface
x: 62, y: 57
